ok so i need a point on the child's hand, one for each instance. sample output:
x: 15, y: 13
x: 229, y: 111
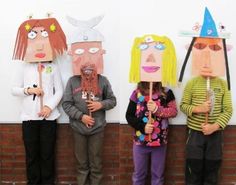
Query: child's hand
x: 36, y: 90
x: 151, y: 105
x: 203, y: 108
x: 148, y: 128
x: 93, y: 105
x: 208, y: 129
x: 88, y: 121
x: 45, y: 112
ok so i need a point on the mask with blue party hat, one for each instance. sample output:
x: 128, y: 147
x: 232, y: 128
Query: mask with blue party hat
x: 207, y: 30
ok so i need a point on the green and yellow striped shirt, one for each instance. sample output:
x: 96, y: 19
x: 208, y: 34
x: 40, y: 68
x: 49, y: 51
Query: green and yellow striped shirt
x: 195, y: 94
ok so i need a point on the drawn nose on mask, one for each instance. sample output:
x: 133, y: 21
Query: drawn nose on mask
x: 87, y: 59
x: 151, y: 58
x: 39, y: 46
x: 206, y: 57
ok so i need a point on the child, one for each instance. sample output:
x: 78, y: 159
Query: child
x: 207, y: 104
x: 153, y: 64
x: 162, y: 106
x: 38, y: 83
x: 87, y: 96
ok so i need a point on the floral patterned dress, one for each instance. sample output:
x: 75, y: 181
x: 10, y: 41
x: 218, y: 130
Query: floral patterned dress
x: 137, y: 116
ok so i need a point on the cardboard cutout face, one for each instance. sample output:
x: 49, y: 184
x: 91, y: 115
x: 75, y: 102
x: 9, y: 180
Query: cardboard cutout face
x: 38, y: 46
x: 87, y: 53
x: 208, y: 57
x: 151, y: 61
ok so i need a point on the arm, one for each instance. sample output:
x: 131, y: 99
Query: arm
x: 170, y: 110
x: 185, y: 104
x: 68, y: 104
x: 109, y: 99
x: 18, y: 84
x: 227, y: 109
x: 57, y: 82
x: 132, y: 120
x: 167, y: 112
x: 223, y: 117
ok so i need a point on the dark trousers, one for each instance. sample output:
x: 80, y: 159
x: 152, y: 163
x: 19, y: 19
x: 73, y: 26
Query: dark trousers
x: 39, y: 139
x: 88, y: 153
x: 203, y: 158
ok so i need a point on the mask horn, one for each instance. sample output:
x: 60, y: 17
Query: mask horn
x: 30, y: 16
x: 49, y: 14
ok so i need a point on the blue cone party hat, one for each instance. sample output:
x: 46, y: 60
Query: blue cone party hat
x: 207, y: 30
x: 209, y: 26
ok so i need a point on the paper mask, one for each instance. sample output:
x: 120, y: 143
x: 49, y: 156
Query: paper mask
x: 86, y: 45
x: 153, y: 59
x: 87, y: 53
x: 209, y: 53
x: 39, y: 40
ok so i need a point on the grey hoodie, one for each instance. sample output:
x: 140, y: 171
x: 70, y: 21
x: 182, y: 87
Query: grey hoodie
x: 75, y: 106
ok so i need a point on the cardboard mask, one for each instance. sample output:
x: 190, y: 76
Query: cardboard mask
x: 209, y: 57
x: 39, y: 40
x: 86, y: 45
x: 87, y: 53
x: 208, y: 54
x: 153, y: 59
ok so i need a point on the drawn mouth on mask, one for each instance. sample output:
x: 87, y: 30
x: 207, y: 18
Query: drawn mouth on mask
x: 150, y: 69
x: 40, y: 55
x: 87, y: 70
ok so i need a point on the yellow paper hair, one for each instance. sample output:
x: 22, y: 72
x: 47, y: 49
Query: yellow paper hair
x: 134, y: 75
x: 168, y: 60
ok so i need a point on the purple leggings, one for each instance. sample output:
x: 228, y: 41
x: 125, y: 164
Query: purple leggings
x: 141, y: 156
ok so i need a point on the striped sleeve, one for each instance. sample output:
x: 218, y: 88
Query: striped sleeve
x: 185, y: 105
x: 227, y: 109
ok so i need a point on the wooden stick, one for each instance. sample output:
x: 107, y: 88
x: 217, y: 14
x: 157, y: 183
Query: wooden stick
x: 207, y: 98
x: 150, y: 113
x: 40, y: 83
x: 89, y: 98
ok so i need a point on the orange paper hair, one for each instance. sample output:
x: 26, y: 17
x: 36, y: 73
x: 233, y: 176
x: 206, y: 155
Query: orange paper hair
x: 57, y: 37
x: 208, y: 41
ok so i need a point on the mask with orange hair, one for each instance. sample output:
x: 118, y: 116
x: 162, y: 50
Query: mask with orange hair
x: 39, y: 40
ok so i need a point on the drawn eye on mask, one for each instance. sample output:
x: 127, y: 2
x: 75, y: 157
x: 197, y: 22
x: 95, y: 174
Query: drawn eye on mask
x: 160, y: 46
x: 32, y: 34
x: 44, y: 34
x: 79, y: 51
x: 215, y: 47
x: 93, y: 50
x: 143, y: 46
x: 199, y: 46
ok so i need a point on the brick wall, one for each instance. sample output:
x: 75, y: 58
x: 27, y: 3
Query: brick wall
x: 117, y: 156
